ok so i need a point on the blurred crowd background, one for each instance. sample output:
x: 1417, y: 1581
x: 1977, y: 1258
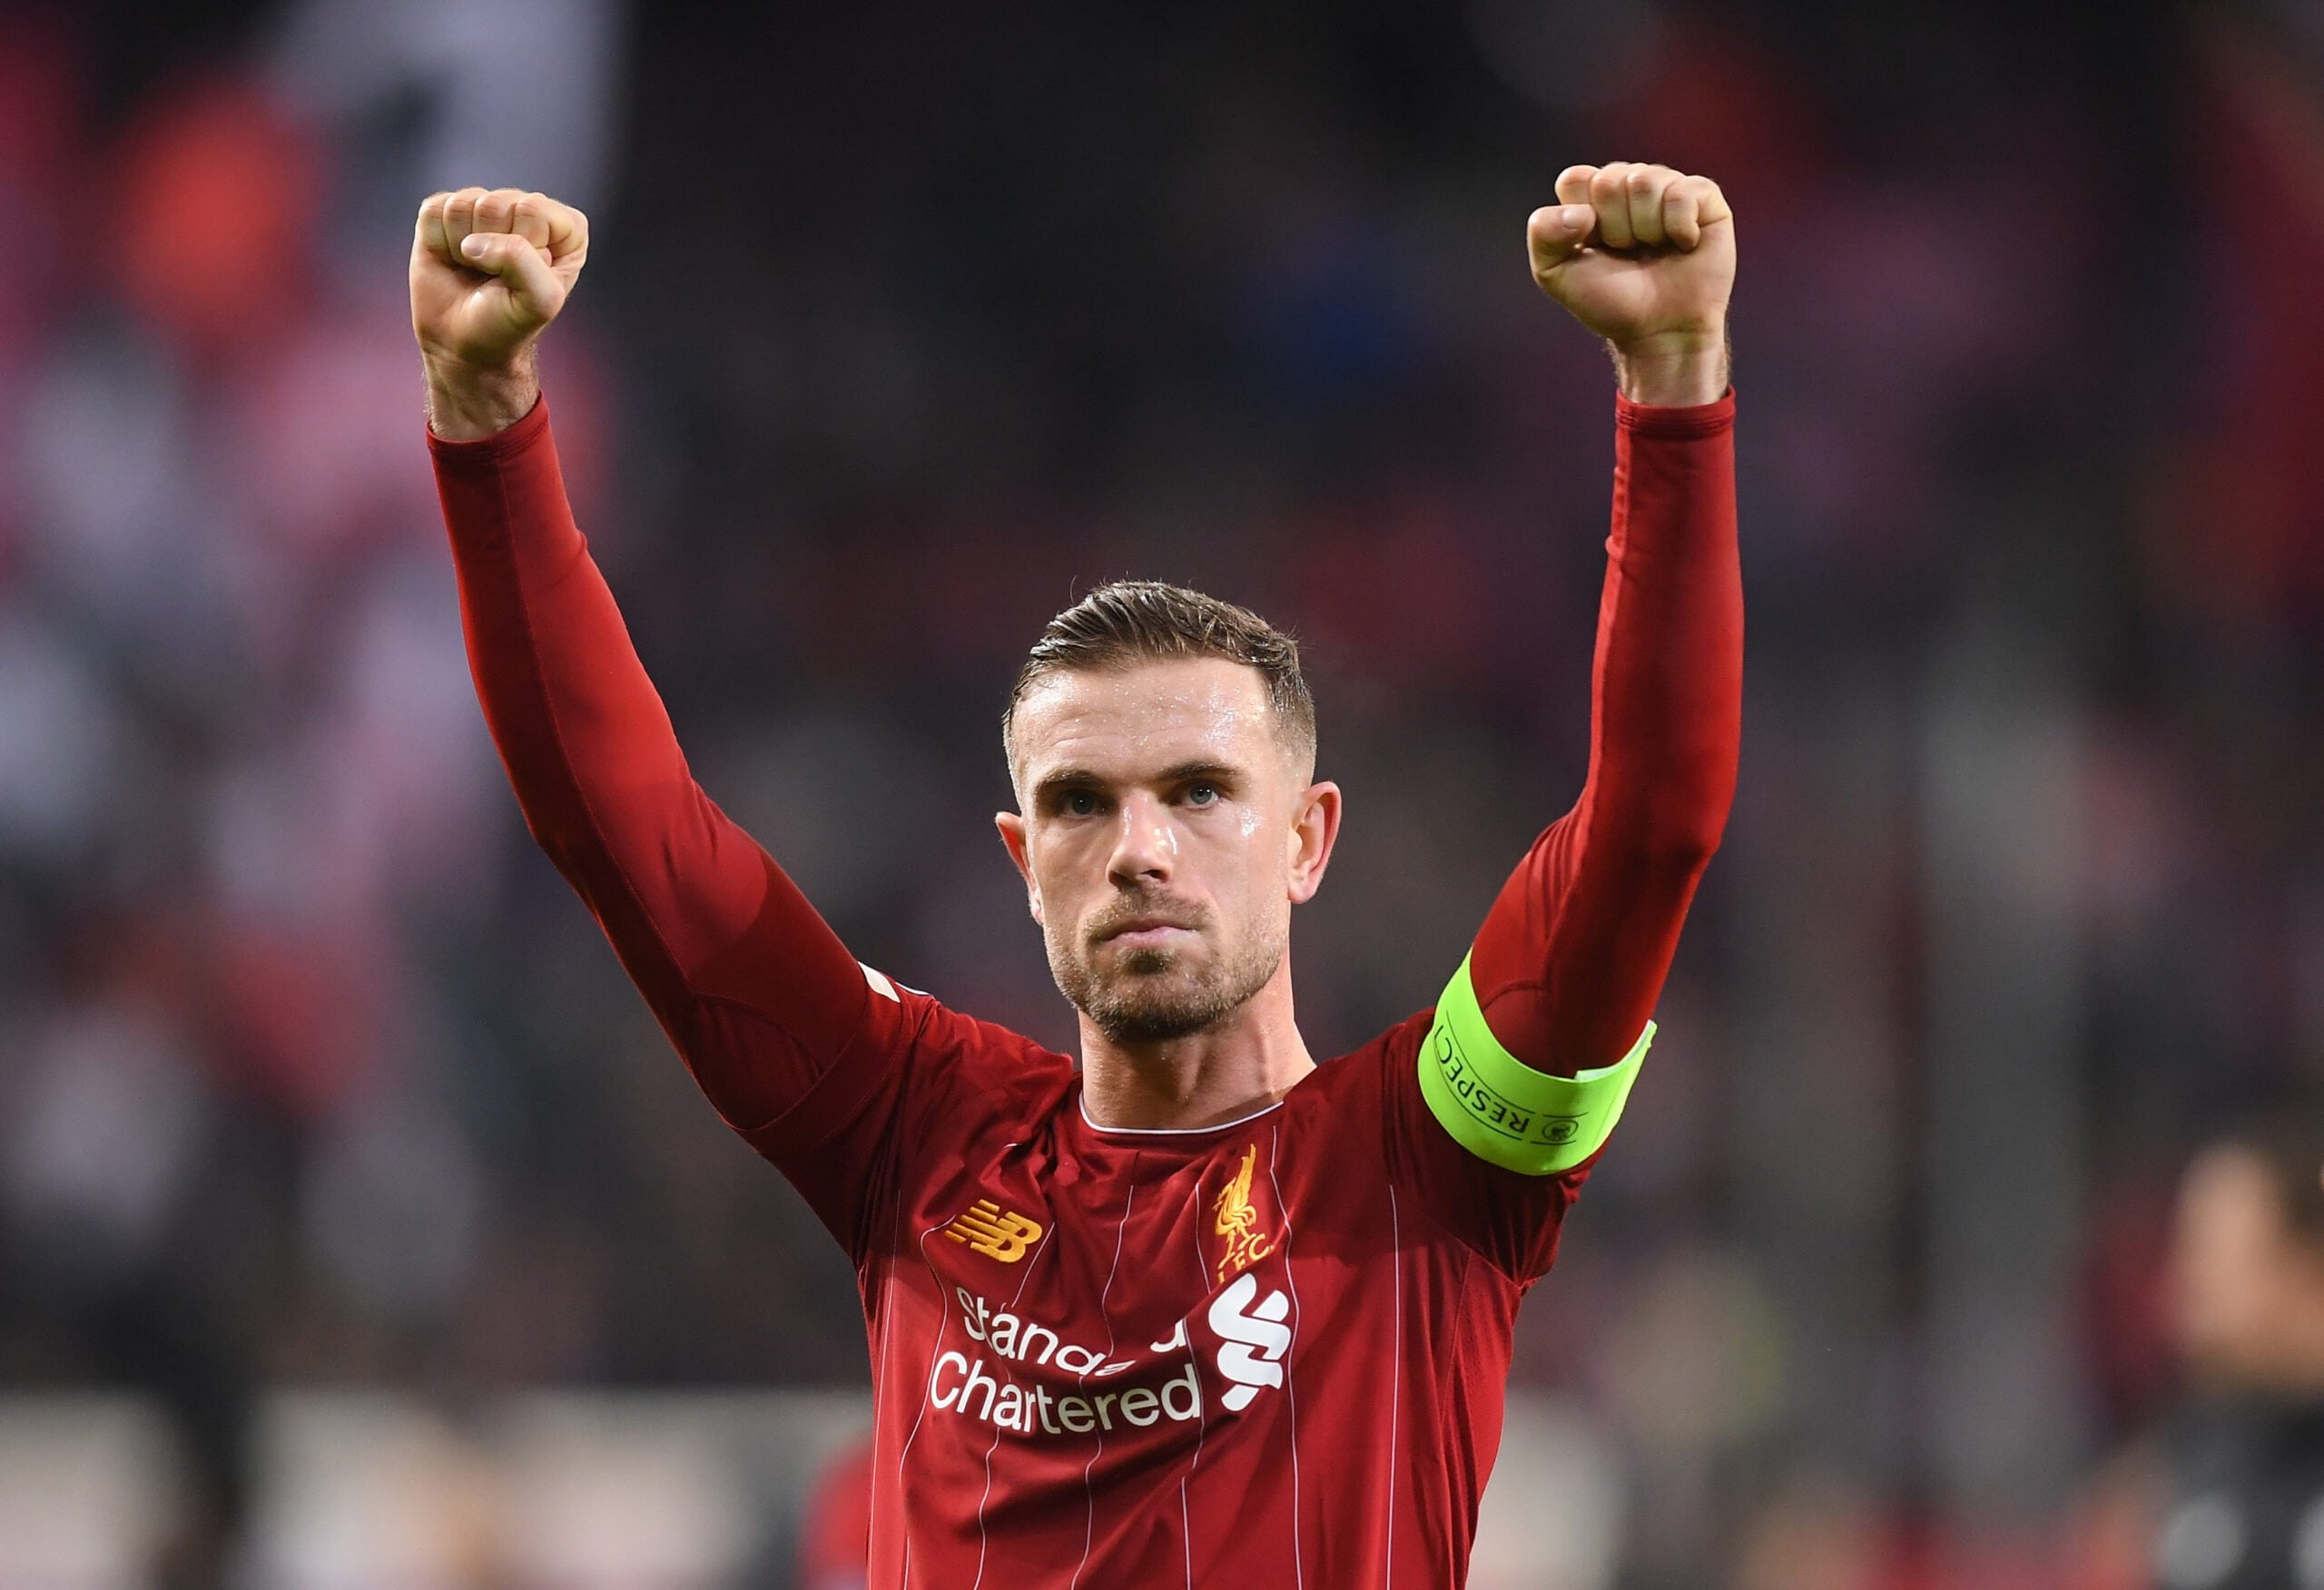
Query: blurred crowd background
x: 906, y: 323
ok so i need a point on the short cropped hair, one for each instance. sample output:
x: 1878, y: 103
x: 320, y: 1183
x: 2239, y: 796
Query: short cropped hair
x: 1128, y: 622
x: 2289, y: 1139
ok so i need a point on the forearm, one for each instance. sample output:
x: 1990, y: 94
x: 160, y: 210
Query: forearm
x: 696, y: 910
x: 1573, y: 954
x: 1668, y: 677
x: 577, y: 722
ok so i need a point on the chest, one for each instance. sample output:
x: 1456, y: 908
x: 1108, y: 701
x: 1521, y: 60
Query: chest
x: 1138, y: 1288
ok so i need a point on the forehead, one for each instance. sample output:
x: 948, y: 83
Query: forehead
x: 1126, y: 721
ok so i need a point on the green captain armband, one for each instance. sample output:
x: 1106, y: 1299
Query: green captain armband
x: 1503, y: 1110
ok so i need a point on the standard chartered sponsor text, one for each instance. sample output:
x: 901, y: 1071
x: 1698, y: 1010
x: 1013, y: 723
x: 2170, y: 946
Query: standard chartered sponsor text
x: 979, y: 1387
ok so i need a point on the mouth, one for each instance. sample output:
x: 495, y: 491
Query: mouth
x: 1144, y: 932
x: 1152, y: 937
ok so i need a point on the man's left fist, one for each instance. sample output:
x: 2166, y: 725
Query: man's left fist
x: 1642, y: 255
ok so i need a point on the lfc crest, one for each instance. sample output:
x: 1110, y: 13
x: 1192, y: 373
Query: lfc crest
x: 1238, y: 1222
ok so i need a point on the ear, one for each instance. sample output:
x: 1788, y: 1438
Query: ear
x: 1012, y: 840
x: 1315, y: 830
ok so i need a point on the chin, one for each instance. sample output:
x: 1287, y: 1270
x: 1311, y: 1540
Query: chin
x: 1171, y: 1000
x: 1156, y: 1021
x: 1150, y: 996
x: 1145, y: 964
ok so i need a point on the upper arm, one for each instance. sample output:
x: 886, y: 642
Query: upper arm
x: 1513, y: 1083
x: 1509, y: 1217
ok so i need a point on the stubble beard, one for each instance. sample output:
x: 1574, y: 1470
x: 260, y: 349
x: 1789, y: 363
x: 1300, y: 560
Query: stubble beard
x: 1157, y: 995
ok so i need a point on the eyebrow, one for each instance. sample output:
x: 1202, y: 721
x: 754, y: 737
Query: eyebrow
x: 1064, y: 779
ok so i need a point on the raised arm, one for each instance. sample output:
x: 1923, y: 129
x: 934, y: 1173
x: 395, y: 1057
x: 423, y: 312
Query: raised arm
x: 1571, y: 958
x: 757, y: 994
x: 1563, y: 975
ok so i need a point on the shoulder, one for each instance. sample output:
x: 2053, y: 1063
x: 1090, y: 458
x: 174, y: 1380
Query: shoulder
x: 920, y: 1069
x: 963, y: 1063
x: 1375, y: 1095
x: 1359, y: 1087
x: 1345, y: 1077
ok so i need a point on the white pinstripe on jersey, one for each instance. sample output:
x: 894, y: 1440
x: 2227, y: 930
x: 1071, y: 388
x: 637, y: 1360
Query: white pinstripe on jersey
x: 1014, y: 1297
x: 1089, y: 1533
x: 1291, y: 1355
x: 1396, y: 1385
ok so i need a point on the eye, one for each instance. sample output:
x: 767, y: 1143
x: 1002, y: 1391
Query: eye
x: 1204, y: 794
x: 1078, y: 804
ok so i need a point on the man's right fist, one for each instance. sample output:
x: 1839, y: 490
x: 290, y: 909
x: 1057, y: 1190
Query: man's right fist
x: 489, y: 269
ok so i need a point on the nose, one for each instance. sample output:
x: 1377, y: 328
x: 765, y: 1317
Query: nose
x: 1146, y: 843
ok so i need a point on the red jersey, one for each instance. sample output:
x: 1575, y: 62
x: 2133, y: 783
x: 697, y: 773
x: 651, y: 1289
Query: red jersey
x: 1269, y: 1353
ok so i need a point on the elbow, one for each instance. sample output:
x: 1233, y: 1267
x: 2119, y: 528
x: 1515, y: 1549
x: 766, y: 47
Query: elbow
x: 1686, y: 849
x: 566, y: 840
x: 1678, y: 852
x: 556, y: 839
x: 565, y: 852
x: 1679, y: 829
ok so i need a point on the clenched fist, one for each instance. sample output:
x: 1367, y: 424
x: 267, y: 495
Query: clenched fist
x: 1644, y: 256
x: 489, y: 270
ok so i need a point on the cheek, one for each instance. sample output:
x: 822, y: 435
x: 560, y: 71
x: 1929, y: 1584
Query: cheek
x: 1248, y: 860
x: 1068, y: 864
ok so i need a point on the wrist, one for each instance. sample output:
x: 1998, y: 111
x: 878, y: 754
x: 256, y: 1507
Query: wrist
x: 466, y: 403
x: 1673, y: 370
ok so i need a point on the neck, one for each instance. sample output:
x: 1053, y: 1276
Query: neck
x: 1242, y: 1063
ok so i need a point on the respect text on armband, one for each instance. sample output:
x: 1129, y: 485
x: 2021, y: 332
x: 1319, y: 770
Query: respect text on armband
x: 1489, y: 1107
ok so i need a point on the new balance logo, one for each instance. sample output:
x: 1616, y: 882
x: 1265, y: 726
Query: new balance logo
x: 1007, y: 1235
x: 1255, y: 1339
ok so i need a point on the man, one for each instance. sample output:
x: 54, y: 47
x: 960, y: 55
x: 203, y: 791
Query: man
x: 1199, y: 1311
x: 2243, y: 1459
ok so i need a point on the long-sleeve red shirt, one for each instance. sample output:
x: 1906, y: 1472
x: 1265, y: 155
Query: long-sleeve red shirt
x: 1273, y: 1349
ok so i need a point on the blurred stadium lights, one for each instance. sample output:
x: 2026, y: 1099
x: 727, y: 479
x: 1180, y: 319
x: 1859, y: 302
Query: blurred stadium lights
x: 1569, y: 54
